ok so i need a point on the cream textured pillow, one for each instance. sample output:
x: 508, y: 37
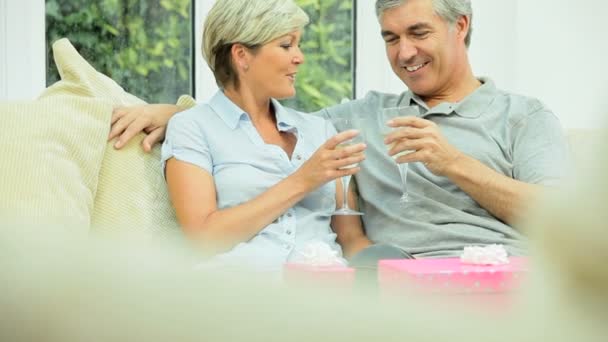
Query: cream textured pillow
x: 132, y: 193
x: 50, y: 161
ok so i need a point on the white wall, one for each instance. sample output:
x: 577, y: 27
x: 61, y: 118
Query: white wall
x: 494, y: 41
x: 562, y: 56
x: 22, y: 49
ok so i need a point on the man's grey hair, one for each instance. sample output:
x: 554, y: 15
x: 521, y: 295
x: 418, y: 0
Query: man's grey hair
x: 251, y: 23
x: 448, y: 10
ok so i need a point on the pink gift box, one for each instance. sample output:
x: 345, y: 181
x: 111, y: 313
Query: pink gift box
x: 451, y: 276
x: 318, y: 276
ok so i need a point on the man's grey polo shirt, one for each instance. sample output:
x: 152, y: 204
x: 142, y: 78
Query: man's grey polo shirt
x: 515, y: 135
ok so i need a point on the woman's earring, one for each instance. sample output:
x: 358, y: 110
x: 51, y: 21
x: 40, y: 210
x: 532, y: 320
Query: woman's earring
x: 246, y: 67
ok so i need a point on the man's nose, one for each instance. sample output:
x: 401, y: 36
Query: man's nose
x: 407, y: 50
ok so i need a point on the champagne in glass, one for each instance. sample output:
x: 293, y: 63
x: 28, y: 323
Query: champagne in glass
x: 387, y: 114
x: 344, y: 124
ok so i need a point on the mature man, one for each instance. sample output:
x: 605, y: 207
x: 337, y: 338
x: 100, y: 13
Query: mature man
x: 480, y: 155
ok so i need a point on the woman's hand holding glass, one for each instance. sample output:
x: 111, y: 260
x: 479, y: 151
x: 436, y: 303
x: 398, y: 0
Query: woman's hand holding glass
x: 330, y: 161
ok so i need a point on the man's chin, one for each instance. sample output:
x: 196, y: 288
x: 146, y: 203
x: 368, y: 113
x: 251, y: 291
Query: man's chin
x: 418, y: 88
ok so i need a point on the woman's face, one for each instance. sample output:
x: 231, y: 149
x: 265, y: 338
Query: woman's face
x: 273, y: 67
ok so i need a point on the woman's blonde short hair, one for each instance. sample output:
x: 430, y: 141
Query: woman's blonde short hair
x: 251, y: 23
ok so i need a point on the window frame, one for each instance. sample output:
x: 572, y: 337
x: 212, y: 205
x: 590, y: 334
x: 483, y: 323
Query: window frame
x: 23, y: 44
x: 3, y: 50
x: 22, y: 49
x: 204, y: 82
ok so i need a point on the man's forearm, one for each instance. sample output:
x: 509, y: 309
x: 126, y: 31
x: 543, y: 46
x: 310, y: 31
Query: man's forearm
x: 504, y: 197
x: 350, y: 234
x: 349, y: 228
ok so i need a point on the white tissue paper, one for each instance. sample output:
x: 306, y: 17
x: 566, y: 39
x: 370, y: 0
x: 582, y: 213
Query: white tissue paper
x: 485, y: 255
x: 320, y: 254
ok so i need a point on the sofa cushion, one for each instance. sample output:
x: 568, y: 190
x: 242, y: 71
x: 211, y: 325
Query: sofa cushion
x: 132, y: 194
x: 51, y: 156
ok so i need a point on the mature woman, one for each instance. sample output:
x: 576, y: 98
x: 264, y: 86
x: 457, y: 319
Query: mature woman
x: 251, y: 180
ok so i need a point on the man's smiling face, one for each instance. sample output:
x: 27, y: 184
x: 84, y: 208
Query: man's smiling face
x: 422, y: 48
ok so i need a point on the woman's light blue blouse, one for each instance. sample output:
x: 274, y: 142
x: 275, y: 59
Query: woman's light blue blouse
x: 220, y: 138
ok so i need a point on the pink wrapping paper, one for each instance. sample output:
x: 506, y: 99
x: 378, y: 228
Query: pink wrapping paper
x: 450, y: 276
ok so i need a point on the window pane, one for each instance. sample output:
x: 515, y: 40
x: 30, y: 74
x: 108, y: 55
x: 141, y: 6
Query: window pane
x: 144, y: 45
x: 327, y: 75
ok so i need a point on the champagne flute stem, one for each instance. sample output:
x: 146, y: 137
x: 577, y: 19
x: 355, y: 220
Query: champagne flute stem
x: 403, y: 167
x: 345, y: 182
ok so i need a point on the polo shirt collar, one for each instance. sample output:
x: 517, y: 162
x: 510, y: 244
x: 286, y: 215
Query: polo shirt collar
x: 471, y: 106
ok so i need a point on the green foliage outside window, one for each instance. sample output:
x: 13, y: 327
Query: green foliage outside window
x: 146, y: 46
x: 326, y: 77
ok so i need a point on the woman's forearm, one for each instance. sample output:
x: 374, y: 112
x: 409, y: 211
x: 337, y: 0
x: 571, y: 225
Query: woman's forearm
x: 223, y: 229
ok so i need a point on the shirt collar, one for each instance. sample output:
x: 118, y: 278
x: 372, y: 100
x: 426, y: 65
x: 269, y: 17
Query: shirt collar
x: 226, y: 109
x: 286, y: 120
x: 471, y: 106
x: 233, y: 114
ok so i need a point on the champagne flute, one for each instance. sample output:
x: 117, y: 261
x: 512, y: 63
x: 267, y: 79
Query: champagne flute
x: 388, y: 114
x: 344, y: 124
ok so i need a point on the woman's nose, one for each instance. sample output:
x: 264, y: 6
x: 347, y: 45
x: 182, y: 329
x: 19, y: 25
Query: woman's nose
x: 299, y: 57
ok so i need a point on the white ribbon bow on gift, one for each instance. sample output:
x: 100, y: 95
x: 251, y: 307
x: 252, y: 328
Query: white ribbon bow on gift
x: 485, y: 255
x: 320, y: 254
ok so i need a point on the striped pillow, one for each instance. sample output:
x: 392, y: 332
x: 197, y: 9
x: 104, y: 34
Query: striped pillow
x: 51, y: 156
x: 132, y: 195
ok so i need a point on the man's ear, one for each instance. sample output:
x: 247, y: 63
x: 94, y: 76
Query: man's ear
x: 463, y: 25
x: 240, y: 56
